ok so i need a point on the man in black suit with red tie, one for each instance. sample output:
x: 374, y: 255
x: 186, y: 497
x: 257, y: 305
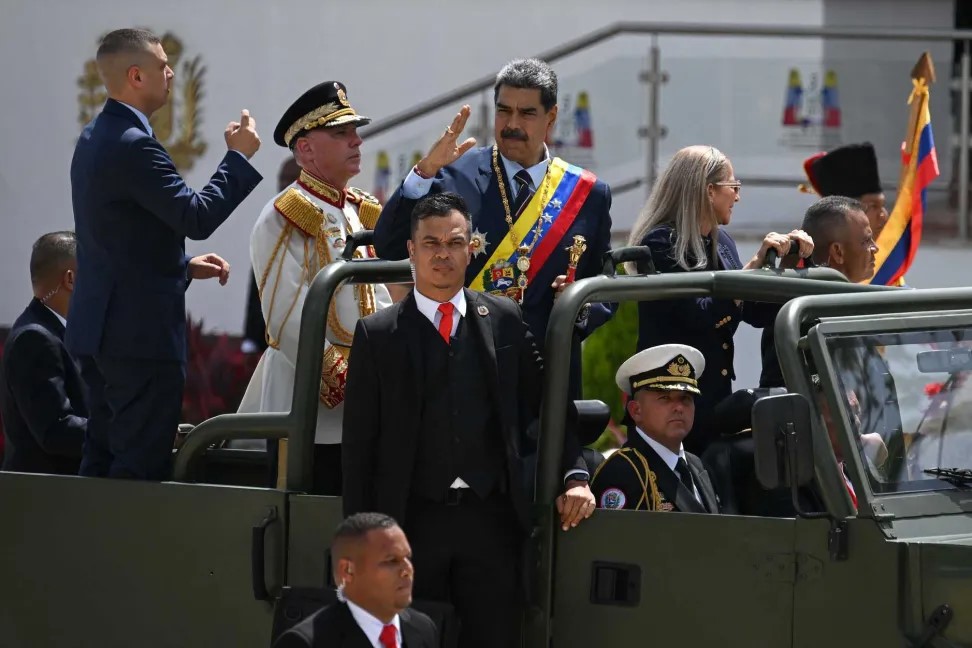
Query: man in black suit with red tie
x: 373, y: 569
x: 42, y: 400
x: 441, y: 389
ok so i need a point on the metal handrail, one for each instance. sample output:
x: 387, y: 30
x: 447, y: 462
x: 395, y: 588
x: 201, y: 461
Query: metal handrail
x: 299, y: 425
x: 666, y: 29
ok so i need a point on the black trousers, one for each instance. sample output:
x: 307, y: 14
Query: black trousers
x: 135, y: 407
x: 467, y: 554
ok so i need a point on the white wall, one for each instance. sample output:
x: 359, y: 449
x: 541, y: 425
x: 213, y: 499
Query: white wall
x: 261, y: 55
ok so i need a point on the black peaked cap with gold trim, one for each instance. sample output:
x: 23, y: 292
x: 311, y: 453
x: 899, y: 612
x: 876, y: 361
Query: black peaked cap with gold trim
x: 323, y: 106
x: 850, y: 170
x: 667, y: 367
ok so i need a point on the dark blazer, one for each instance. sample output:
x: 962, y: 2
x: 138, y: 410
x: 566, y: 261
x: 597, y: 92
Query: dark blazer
x: 473, y: 178
x: 382, y: 403
x: 620, y: 479
x: 335, y: 627
x: 705, y: 323
x: 43, y: 397
x: 133, y: 213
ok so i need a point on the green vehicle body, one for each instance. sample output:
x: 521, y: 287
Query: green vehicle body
x: 91, y: 562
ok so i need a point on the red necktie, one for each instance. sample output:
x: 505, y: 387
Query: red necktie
x: 388, y: 637
x: 445, y: 324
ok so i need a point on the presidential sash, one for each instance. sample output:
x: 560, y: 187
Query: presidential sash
x: 540, y: 227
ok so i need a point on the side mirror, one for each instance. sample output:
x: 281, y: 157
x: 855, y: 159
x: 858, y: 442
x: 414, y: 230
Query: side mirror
x: 783, y: 441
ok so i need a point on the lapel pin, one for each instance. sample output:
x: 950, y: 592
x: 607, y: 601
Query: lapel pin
x: 482, y: 310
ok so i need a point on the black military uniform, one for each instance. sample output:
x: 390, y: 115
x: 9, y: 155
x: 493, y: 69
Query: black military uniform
x: 643, y: 475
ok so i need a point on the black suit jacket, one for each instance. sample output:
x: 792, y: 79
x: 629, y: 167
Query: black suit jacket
x: 335, y: 627
x: 621, y: 482
x: 383, y: 401
x: 43, y: 397
x: 133, y: 213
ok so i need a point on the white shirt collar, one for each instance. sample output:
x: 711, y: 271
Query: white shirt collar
x: 537, y: 171
x: 57, y: 315
x: 430, y: 307
x: 670, y: 458
x: 141, y: 116
x: 372, y: 626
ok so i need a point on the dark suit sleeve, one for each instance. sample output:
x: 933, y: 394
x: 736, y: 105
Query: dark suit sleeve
x: 34, y: 371
x: 157, y: 186
x: 591, y: 264
x: 293, y: 639
x: 394, y: 226
x: 619, y: 477
x: 696, y: 314
x: 361, y: 424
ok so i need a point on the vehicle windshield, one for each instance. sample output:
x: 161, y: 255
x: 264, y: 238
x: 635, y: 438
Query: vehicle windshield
x: 909, y: 398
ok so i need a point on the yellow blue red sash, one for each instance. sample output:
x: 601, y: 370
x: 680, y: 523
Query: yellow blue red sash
x: 540, y: 227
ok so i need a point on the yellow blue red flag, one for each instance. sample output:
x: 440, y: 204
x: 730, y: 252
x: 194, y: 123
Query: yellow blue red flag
x: 898, y: 241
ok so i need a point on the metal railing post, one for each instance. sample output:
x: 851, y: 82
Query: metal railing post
x: 653, y: 131
x: 963, y: 183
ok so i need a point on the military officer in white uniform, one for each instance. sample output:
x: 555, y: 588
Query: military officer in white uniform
x: 300, y: 231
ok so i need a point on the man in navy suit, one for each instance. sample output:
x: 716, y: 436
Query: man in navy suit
x: 132, y: 213
x: 42, y: 399
x: 526, y: 206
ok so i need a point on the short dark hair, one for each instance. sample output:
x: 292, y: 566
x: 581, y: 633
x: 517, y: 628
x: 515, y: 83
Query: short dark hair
x: 532, y: 74
x: 128, y: 40
x: 51, y: 253
x: 356, y: 527
x: 825, y: 221
x: 439, y: 204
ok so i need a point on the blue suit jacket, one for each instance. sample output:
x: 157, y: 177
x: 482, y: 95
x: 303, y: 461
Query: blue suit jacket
x: 473, y: 178
x: 706, y: 323
x: 132, y: 213
x: 43, y: 397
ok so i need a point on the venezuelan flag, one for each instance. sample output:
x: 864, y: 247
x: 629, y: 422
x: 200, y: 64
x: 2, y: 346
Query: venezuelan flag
x: 898, y: 242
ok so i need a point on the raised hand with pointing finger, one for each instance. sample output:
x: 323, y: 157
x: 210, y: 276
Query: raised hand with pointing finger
x: 242, y: 136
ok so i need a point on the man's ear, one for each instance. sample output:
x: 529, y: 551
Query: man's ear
x: 345, y: 571
x: 411, y: 250
x: 633, y: 407
x: 836, y: 254
x: 67, y: 279
x: 552, y: 117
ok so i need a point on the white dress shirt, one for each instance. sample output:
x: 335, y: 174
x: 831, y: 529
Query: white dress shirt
x: 670, y: 458
x: 415, y: 186
x: 372, y: 626
x: 430, y: 308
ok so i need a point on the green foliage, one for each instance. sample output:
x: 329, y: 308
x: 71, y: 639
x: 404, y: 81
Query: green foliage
x: 603, y: 352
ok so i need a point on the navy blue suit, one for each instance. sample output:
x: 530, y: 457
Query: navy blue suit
x: 705, y: 323
x: 43, y: 399
x: 132, y: 213
x: 473, y: 178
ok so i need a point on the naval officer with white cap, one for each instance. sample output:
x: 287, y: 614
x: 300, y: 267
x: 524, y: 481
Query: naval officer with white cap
x: 652, y: 471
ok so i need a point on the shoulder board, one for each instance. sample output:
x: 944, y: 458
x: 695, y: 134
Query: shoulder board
x: 369, y: 209
x: 300, y: 211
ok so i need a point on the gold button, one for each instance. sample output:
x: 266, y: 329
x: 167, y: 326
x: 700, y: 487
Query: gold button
x: 725, y: 372
x: 729, y: 318
x: 725, y: 345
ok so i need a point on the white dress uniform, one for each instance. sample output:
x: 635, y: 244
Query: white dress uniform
x: 299, y: 232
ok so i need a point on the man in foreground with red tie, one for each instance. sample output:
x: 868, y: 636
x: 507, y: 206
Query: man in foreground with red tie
x: 373, y: 569
x: 442, y: 388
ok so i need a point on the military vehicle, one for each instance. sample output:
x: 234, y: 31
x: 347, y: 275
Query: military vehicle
x: 202, y: 560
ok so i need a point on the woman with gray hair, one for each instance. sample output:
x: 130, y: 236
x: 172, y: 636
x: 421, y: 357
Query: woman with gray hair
x: 682, y: 224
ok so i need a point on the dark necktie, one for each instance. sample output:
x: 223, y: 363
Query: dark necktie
x: 523, y: 190
x: 684, y: 475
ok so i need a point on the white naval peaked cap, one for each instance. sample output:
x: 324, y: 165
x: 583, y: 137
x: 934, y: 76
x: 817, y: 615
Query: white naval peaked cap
x: 667, y: 367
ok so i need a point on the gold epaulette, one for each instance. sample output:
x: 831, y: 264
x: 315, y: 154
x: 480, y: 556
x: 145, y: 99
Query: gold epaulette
x: 300, y: 211
x: 369, y: 209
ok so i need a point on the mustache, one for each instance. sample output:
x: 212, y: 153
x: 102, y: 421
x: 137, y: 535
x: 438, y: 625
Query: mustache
x: 513, y: 134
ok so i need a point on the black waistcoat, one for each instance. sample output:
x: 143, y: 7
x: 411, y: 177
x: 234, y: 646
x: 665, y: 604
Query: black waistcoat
x: 459, y: 433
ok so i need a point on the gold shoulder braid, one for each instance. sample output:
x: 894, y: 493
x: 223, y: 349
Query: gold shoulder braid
x: 369, y: 209
x: 300, y: 211
x: 650, y: 495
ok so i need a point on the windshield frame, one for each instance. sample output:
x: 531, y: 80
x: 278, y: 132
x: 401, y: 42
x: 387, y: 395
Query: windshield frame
x: 912, y: 503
